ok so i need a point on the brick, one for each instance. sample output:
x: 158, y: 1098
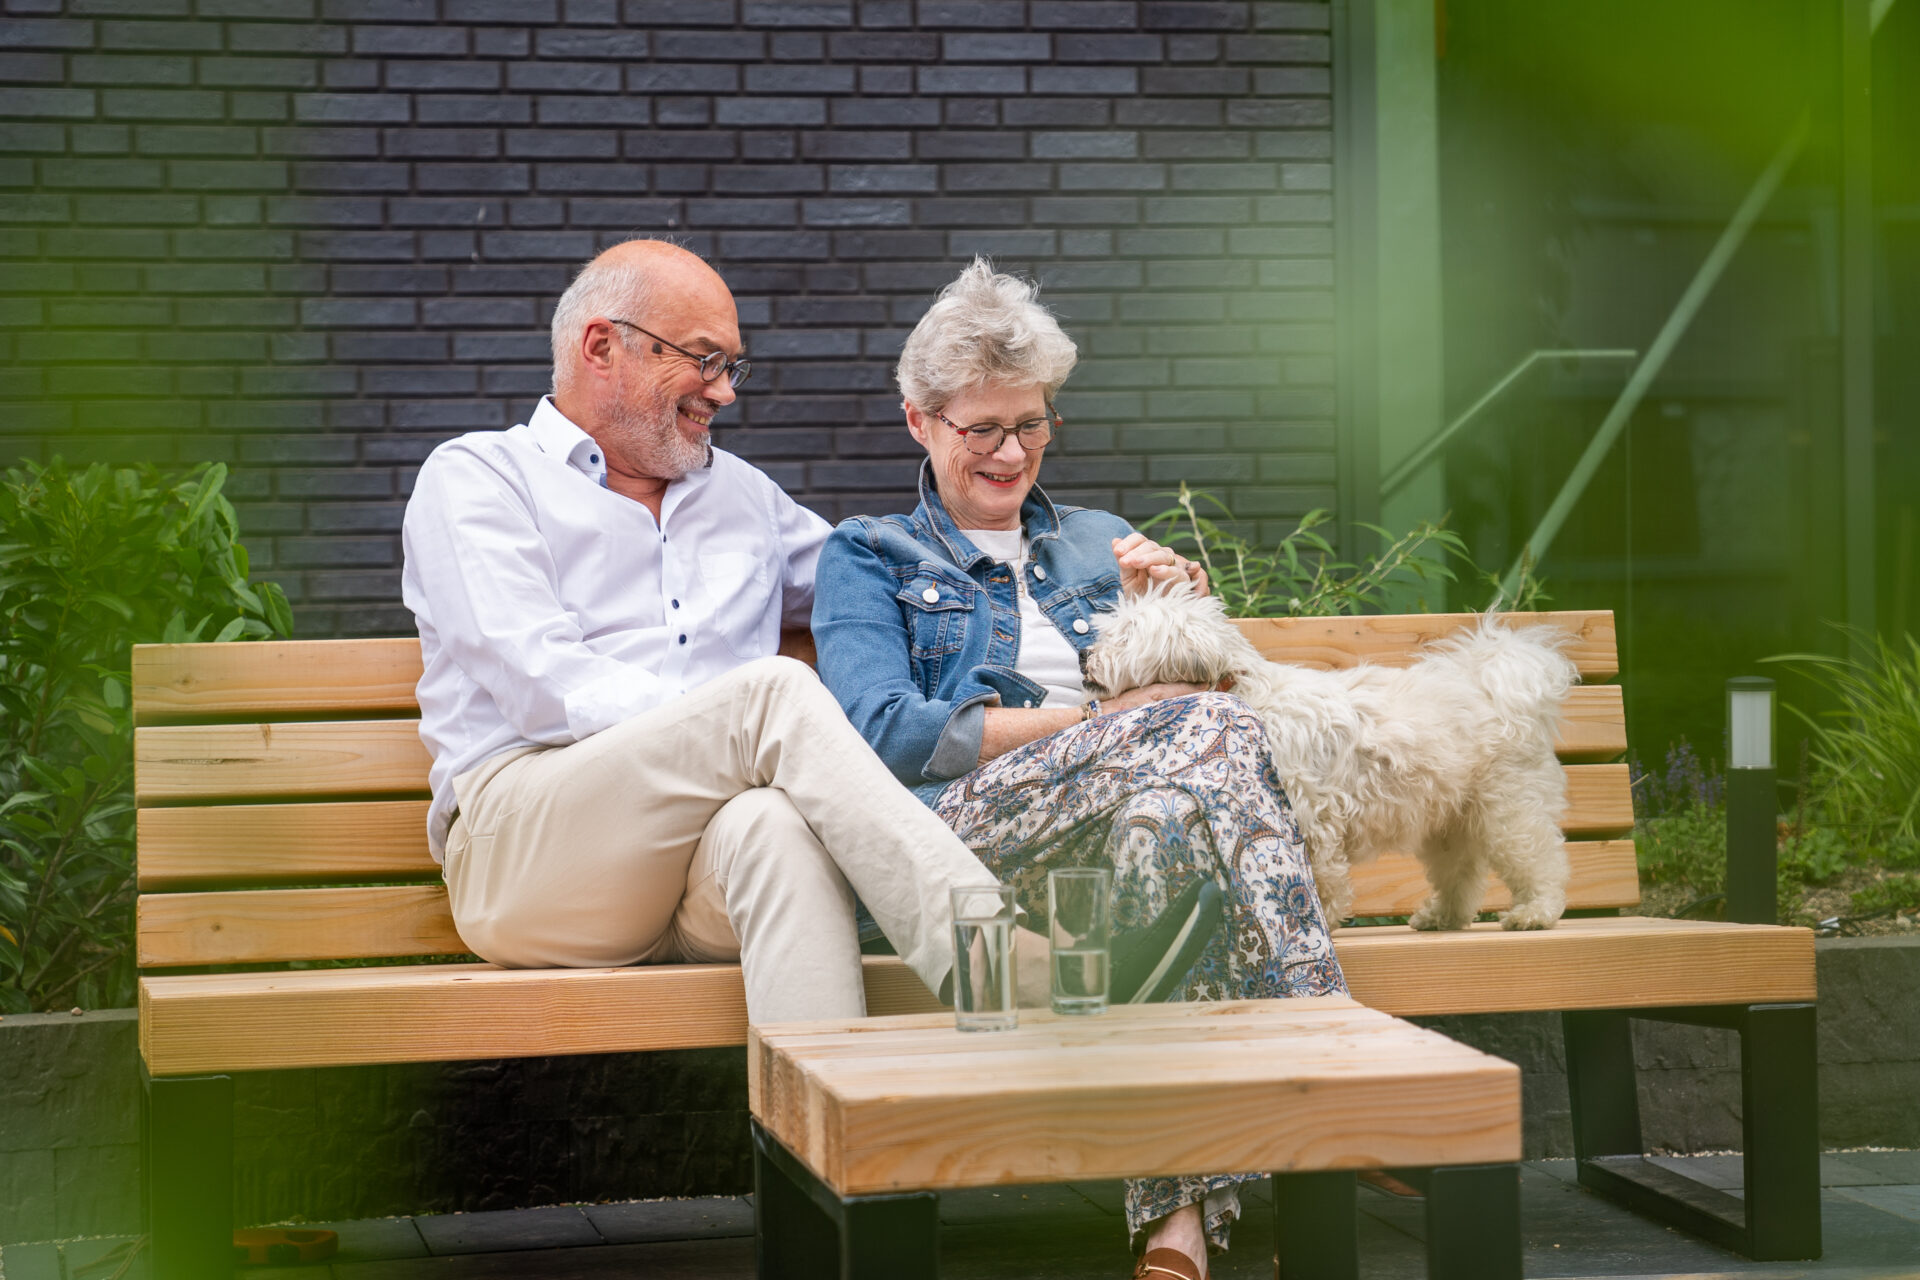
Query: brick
x: 472, y: 177
x: 1225, y: 177
x: 554, y: 109
x: 100, y: 173
x: 771, y: 111
x: 972, y: 13
x: 623, y: 213
x: 604, y: 13
x: 1007, y: 46
x: 1313, y: 49
x: 1193, y: 81
x: 474, y: 110
x: 1293, y: 80
x: 683, y: 78
x: 494, y: 42
x: 208, y: 278
x: 694, y: 13
x: 45, y: 68
x: 768, y: 179
x: 47, y: 33
x: 574, y: 144
x: 1109, y: 48
x: 817, y: 146
x: 970, y: 212
x: 1304, y: 208
x: 1194, y: 15
x: 475, y: 144
x: 774, y: 246
x: 764, y: 144
x: 1307, y: 177
x: 977, y: 80
x: 856, y: 213
x: 324, y: 211
x: 617, y: 178
x: 709, y: 46
x: 799, y: 79
x: 251, y: 313
x: 502, y: 11
x: 356, y: 246
x: 797, y: 46
x: 359, y: 108
x: 195, y: 140
x: 1055, y: 112
x: 419, y: 381
x: 1209, y: 144
x: 564, y: 77
x: 509, y: 346
x: 226, y: 175
x: 886, y: 81
x: 443, y: 211
x: 388, y: 279
x: 567, y: 246
x: 276, y: 37
x: 128, y: 68
x: 741, y: 213
x: 460, y: 415
x: 1169, y: 112
x: 884, y: 177
x: 465, y: 313
x: 1016, y: 244
x: 1069, y: 210
x: 16, y: 137
x: 246, y: 105
x: 1085, y: 146
x: 359, y: 313
x: 70, y: 104
x: 886, y: 113
x: 1188, y: 48
x: 591, y: 44
x: 1292, y: 16
x: 1307, y: 113
x: 231, y: 242
x: 146, y: 8
x: 1295, y: 145
x: 326, y: 175
x: 100, y: 139
x: 102, y: 243
x: 333, y: 482
x: 443, y: 77
x: 998, y: 177
x: 887, y: 244
x: 1112, y: 177
x: 265, y: 73
x: 1096, y: 15
x: 682, y: 112
x: 280, y: 9
x: 871, y: 47
x: 792, y: 13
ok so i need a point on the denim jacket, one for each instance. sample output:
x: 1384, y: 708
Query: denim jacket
x: 918, y: 629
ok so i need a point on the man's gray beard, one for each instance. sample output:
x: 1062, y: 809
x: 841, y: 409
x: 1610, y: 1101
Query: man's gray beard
x: 651, y: 438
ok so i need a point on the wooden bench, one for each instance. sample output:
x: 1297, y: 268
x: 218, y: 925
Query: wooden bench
x: 858, y: 1125
x: 282, y: 812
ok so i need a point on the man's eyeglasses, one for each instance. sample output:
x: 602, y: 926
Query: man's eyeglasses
x: 987, y: 437
x: 712, y: 365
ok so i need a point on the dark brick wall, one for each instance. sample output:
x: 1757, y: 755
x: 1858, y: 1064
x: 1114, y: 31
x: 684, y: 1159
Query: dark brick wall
x: 313, y: 238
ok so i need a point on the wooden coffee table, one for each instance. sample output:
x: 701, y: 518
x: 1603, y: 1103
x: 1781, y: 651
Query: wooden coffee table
x: 858, y: 1124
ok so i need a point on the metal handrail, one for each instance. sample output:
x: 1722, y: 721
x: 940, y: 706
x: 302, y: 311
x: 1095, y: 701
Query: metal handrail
x: 1397, y: 478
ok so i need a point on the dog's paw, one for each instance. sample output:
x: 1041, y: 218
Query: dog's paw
x: 1431, y: 918
x: 1529, y: 918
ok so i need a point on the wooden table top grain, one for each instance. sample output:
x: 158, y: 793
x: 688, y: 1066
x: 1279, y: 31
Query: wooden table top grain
x: 1255, y: 1086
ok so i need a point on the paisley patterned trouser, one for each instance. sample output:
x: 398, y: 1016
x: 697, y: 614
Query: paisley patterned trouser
x: 1164, y: 793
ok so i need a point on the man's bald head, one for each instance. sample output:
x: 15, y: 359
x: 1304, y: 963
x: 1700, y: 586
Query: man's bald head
x: 624, y: 281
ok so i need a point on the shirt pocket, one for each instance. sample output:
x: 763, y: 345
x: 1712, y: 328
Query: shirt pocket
x: 936, y: 610
x: 736, y: 586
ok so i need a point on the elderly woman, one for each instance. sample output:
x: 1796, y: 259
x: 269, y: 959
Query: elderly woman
x: 952, y: 637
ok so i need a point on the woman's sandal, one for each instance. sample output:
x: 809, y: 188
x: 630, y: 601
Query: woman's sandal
x: 1166, y: 1262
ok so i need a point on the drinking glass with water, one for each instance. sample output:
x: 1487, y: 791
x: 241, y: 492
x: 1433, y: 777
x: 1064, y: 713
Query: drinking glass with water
x: 1080, y: 932
x: 983, y: 987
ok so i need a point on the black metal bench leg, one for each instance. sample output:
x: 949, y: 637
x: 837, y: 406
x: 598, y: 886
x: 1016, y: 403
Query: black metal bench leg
x: 1780, y: 1113
x: 1315, y: 1233
x: 1473, y: 1222
x: 803, y: 1231
x: 1601, y: 1085
x: 187, y: 1141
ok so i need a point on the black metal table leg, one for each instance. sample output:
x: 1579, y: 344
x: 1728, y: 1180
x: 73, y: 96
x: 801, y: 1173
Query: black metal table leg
x: 803, y: 1231
x: 1601, y: 1084
x: 1315, y: 1233
x: 1473, y: 1222
x: 187, y: 1141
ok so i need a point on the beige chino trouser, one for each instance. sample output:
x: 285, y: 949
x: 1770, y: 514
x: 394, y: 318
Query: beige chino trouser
x: 735, y: 823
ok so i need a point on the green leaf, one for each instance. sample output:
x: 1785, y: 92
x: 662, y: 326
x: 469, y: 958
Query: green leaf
x: 231, y: 631
x: 209, y: 489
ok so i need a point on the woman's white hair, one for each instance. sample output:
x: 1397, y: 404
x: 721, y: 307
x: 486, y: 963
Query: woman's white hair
x: 610, y: 285
x: 985, y: 328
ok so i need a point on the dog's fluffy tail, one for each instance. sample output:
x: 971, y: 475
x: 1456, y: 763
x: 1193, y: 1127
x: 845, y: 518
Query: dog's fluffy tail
x: 1524, y: 673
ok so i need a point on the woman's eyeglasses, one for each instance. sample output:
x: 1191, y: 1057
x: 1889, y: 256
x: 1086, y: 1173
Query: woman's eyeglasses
x: 712, y: 365
x: 987, y: 437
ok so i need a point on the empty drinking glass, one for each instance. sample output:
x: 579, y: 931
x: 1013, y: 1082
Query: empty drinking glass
x: 983, y: 997
x: 1079, y: 930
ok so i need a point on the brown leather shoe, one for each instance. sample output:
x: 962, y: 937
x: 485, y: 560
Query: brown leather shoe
x: 1166, y: 1263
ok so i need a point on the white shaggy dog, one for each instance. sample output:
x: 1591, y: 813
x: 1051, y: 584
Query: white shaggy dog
x: 1451, y: 758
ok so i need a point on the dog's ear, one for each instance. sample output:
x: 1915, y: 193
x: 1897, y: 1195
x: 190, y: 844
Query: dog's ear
x: 1225, y: 685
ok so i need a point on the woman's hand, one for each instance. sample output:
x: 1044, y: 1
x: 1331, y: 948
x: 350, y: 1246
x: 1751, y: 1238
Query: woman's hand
x: 1134, y: 699
x: 1144, y: 562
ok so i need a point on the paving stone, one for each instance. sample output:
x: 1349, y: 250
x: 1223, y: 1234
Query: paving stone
x: 30, y: 1262
x: 1841, y: 1171
x: 1725, y: 1172
x: 639, y: 1221
x: 369, y: 1238
x: 103, y: 1256
x: 1901, y: 1201
x: 1002, y: 1204
x: 1899, y: 1167
x: 678, y: 1260
x: 494, y: 1232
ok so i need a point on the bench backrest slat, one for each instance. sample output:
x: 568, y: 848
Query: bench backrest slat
x: 282, y: 790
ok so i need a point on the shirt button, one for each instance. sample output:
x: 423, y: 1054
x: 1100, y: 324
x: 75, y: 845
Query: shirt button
x: 1040, y: 573
x: 1029, y: 702
x: 931, y: 595
x: 683, y: 639
x: 676, y: 604
x: 593, y: 457
x: 1080, y: 626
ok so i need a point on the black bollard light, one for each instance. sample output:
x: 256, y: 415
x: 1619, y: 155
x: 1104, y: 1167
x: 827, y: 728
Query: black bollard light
x: 1752, y: 835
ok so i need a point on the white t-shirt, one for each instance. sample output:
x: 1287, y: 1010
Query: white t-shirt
x: 1045, y: 656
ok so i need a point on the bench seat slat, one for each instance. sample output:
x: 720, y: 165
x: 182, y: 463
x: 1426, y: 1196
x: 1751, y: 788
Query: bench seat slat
x: 1394, y: 639
x: 251, y: 926
x: 434, y: 1013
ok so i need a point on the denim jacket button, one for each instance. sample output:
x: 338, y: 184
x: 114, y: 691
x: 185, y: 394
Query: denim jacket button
x: 1080, y: 626
x: 1040, y: 572
x: 931, y: 595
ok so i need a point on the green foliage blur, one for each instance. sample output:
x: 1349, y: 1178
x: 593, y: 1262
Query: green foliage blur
x: 91, y: 562
x: 1304, y: 577
x: 1865, y: 748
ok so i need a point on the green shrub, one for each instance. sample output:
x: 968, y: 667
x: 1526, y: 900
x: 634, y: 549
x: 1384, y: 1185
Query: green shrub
x: 92, y: 562
x: 1865, y: 750
x: 1304, y: 577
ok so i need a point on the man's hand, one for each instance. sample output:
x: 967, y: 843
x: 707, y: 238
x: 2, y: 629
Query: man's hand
x: 1144, y: 562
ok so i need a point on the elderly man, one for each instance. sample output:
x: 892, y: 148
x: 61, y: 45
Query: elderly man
x: 623, y: 771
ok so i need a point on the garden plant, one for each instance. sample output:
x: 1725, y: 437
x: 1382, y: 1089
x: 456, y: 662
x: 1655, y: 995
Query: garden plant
x: 93, y: 561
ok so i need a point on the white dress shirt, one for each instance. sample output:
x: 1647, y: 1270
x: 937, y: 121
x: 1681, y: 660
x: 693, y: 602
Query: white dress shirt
x: 551, y: 607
